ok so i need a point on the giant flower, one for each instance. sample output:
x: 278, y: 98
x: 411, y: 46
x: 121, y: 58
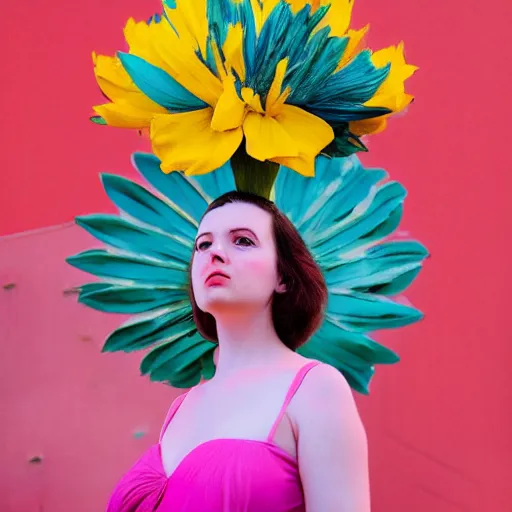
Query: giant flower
x: 345, y: 215
x: 279, y: 81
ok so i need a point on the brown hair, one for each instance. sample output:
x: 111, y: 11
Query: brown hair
x: 297, y: 313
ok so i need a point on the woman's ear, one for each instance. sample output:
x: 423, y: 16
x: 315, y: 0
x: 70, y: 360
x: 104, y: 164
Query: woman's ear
x: 281, y: 287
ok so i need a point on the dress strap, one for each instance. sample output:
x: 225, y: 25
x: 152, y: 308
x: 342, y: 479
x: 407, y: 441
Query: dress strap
x: 170, y: 414
x: 297, y: 381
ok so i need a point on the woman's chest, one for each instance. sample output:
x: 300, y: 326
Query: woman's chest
x: 242, y: 413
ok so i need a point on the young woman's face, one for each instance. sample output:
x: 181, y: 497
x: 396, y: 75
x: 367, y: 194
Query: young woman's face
x: 235, y: 263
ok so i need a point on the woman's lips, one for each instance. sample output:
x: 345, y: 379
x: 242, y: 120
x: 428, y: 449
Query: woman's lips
x: 216, y: 278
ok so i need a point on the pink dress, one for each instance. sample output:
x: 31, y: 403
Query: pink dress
x: 220, y: 475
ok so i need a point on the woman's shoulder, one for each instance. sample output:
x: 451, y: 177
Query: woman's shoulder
x: 323, y: 384
x: 320, y: 374
x: 323, y: 374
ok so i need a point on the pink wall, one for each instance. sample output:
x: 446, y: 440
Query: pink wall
x: 438, y: 422
x: 88, y: 415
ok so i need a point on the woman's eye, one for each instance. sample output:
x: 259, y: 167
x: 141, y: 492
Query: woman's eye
x: 201, y: 246
x: 243, y: 240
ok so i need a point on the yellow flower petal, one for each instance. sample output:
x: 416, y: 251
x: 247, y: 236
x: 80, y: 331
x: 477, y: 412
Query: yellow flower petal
x: 253, y: 100
x: 189, y: 20
x: 337, y: 17
x: 276, y: 99
x: 293, y: 138
x: 233, y: 49
x: 266, y: 138
x: 311, y: 133
x: 117, y: 85
x: 219, y: 64
x: 268, y: 6
x: 138, y: 35
x: 158, y: 44
x: 186, y: 142
x: 368, y: 126
x: 258, y: 12
x: 112, y: 78
x: 230, y: 109
x: 400, y: 71
x: 303, y: 164
x: 130, y: 108
x: 391, y: 94
x: 183, y: 64
x: 298, y: 5
x: 125, y: 115
x: 354, y: 46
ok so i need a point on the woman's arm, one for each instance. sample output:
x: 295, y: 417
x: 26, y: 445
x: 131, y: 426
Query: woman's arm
x: 332, y: 445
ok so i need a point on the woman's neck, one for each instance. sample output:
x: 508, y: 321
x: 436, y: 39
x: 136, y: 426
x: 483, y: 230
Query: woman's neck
x: 247, y: 341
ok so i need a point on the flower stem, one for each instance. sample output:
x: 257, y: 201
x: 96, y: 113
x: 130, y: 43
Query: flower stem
x: 252, y: 175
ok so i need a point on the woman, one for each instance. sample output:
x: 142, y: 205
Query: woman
x: 272, y: 431
x: 255, y: 97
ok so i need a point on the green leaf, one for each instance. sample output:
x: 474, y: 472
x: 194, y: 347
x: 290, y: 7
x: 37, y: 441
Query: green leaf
x: 345, y: 143
x: 98, y: 120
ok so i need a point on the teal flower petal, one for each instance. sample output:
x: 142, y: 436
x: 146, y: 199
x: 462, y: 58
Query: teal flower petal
x: 342, y: 96
x: 144, y: 330
x: 112, y: 298
x: 343, y: 215
x: 282, y: 36
x: 158, y: 85
x: 157, y: 17
x: 180, y: 361
x: 220, y: 15
x: 344, y: 111
x: 377, y: 216
x: 129, y: 269
x: 318, y: 61
x: 145, y: 271
x: 357, y: 82
x: 340, y: 185
x: 353, y: 354
x: 146, y: 208
x: 187, y: 194
x: 364, y: 312
x: 123, y: 234
x: 386, y: 269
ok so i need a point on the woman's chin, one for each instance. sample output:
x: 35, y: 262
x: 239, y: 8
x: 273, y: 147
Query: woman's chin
x: 217, y: 296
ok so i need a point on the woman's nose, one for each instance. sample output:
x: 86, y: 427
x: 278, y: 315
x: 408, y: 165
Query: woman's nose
x: 218, y: 254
